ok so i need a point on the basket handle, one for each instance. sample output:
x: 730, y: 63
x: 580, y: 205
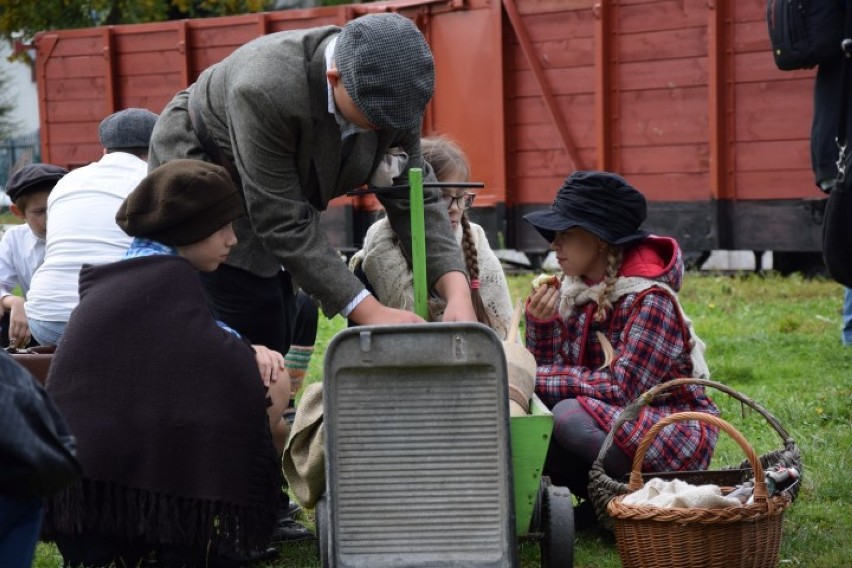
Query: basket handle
x: 632, y: 410
x: 656, y: 391
x: 636, y: 483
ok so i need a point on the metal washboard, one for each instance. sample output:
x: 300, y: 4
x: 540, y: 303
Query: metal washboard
x: 418, y: 463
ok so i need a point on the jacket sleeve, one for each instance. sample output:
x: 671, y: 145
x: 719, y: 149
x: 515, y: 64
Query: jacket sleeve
x: 442, y: 252
x: 544, y: 339
x: 286, y: 223
x: 8, y: 274
x: 651, y: 342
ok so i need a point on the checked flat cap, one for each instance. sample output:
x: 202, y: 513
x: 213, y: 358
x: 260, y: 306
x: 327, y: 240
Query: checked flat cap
x: 386, y: 67
x: 128, y: 128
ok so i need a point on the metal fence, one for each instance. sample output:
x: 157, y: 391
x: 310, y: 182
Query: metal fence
x: 16, y: 152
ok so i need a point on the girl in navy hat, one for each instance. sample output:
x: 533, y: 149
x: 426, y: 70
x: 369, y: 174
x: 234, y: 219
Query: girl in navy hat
x: 610, y: 329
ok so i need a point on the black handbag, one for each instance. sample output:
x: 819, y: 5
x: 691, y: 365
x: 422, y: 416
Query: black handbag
x: 804, y: 33
x: 837, y: 224
x: 36, y: 448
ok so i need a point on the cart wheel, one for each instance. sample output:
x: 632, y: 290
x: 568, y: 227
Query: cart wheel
x: 535, y: 520
x: 557, y: 524
x: 322, y: 522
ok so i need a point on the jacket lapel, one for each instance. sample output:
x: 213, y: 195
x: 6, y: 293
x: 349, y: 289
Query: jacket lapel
x: 322, y: 142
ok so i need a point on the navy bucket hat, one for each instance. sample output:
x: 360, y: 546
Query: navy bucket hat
x: 602, y: 203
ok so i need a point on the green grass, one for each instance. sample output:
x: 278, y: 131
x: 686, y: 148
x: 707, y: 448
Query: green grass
x: 773, y: 339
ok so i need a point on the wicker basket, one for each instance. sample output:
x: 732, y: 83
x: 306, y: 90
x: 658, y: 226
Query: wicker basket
x: 725, y: 537
x: 602, y: 488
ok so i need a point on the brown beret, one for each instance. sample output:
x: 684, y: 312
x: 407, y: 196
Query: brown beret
x: 180, y: 203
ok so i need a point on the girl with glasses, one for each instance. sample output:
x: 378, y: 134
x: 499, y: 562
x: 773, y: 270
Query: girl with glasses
x: 386, y: 271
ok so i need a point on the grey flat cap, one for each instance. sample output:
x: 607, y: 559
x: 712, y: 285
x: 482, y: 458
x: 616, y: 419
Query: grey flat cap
x: 33, y: 177
x: 129, y: 128
x: 387, y: 68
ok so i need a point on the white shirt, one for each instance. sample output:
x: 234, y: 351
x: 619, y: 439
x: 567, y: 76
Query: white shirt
x: 81, y: 229
x: 346, y: 129
x: 21, y: 253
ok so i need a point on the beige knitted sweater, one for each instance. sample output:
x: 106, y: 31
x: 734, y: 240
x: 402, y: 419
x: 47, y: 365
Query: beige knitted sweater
x: 382, y: 261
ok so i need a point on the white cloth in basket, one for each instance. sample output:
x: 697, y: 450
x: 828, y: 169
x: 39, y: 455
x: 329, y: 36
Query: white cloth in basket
x: 679, y: 494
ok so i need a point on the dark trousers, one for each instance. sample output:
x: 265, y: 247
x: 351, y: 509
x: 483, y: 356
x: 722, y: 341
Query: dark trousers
x: 575, y: 445
x: 261, y: 309
x: 306, y: 321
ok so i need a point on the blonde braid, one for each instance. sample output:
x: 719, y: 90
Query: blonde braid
x: 471, y: 260
x: 613, y: 263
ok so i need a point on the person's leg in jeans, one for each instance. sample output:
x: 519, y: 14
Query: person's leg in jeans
x: 47, y: 333
x: 20, y: 523
x: 847, y: 317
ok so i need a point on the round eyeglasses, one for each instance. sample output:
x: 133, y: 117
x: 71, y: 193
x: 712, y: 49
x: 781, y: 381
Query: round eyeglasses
x: 463, y: 201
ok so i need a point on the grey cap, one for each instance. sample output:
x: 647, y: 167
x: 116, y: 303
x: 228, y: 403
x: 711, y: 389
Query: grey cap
x: 33, y: 177
x: 128, y: 128
x: 387, y: 68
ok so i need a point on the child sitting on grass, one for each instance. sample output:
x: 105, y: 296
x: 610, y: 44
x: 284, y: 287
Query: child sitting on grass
x: 387, y: 272
x: 178, y: 419
x: 612, y: 329
x: 22, y: 247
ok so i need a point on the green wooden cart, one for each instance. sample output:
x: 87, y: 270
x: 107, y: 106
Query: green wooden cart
x: 542, y: 511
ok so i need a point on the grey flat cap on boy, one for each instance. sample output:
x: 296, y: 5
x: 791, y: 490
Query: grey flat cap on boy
x: 129, y: 128
x: 33, y: 177
x: 392, y: 91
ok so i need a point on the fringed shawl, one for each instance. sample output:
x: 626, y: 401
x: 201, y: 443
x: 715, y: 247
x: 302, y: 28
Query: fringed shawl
x: 169, y: 414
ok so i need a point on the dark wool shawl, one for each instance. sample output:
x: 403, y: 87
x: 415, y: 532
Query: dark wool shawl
x: 169, y: 412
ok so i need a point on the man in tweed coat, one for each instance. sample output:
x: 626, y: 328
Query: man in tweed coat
x: 301, y: 117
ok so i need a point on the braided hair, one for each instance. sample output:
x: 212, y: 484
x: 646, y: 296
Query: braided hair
x: 613, y: 263
x: 447, y: 160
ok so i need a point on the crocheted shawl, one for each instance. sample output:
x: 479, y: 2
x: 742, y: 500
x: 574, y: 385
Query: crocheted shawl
x: 389, y: 274
x: 575, y: 292
x: 169, y: 412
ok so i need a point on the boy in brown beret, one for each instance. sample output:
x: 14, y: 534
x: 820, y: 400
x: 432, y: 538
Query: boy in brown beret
x: 22, y: 247
x: 184, y: 415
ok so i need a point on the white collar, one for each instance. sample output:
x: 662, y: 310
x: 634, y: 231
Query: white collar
x: 346, y: 128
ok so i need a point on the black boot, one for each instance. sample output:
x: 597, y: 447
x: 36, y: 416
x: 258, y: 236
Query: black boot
x: 286, y: 528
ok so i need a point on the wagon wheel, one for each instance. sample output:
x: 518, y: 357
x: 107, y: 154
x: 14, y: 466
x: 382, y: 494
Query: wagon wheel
x: 322, y: 522
x: 557, y: 524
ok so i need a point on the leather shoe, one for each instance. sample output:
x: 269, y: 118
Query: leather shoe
x: 288, y: 530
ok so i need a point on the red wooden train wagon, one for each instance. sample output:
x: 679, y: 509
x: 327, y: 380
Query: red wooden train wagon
x: 680, y: 96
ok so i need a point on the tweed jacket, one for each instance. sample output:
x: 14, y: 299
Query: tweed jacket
x: 266, y: 106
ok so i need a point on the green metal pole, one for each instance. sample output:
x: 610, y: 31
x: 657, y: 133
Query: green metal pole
x: 418, y: 241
